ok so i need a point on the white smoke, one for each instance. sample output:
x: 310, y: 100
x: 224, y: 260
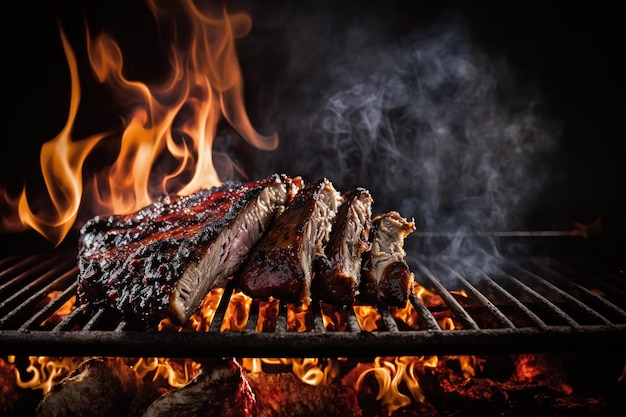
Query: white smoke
x: 433, y: 126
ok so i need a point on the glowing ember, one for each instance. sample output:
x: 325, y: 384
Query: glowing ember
x: 177, y: 118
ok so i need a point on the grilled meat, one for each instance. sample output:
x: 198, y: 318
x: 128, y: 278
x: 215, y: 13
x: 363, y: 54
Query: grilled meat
x: 162, y: 260
x: 222, y: 390
x: 385, y: 276
x: 338, y: 272
x: 280, y: 266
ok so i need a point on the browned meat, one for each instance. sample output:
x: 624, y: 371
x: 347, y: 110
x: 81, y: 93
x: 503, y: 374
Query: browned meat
x: 280, y: 266
x: 97, y: 387
x: 219, y: 390
x: 162, y: 260
x: 385, y: 276
x: 338, y: 273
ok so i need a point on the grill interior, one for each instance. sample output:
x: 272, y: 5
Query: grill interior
x: 513, y: 304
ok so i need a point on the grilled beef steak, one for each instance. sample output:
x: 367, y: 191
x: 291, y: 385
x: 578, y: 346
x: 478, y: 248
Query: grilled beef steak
x: 338, y: 272
x: 162, y: 260
x: 280, y: 266
x: 385, y: 276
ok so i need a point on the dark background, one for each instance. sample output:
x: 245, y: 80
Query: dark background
x: 569, y: 51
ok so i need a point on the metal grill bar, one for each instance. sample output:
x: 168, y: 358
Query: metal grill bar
x: 541, y: 301
x: 578, y: 305
x: 467, y: 321
x: 508, y: 297
x: 609, y: 309
x: 50, y: 308
x: 498, y: 315
x: 613, y: 288
x: 253, y: 316
x: 528, y: 305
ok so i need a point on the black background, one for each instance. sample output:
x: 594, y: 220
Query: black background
x: 572, y: 51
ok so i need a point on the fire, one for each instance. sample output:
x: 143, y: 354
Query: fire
x: 236, y: 315
x: 396, y: 378
x: 63, y: 311
x: 394, y: 373
x: 175, y: 120
x: 312, y: 371
x: 61, y: 161
x: 201, y: 320
x: 298, y: 318
x: 176, y: 374
x: 540, y: 369
x: 367, y: 317
x: 45, y: 371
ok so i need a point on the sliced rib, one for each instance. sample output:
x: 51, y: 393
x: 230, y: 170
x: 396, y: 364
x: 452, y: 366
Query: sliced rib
x: 280, y: 266
x: 338, y: 272
x: 385, y: 276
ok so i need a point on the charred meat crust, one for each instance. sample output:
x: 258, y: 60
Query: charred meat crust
x: 338, y: 272
x: 134, y: 262
x: 385, y: 276
x: 280, y: 266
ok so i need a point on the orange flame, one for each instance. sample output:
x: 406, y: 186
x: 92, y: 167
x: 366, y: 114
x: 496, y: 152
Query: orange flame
x: 237, y: 313
x: 61, y: 162
x: 298, y: 318
x: 312, y: 371
x: 391, y: 374
x: 176, y: 374
x: 367, y: 317
x: 46, y: 371
x: 201, y: 319
x: 177, y: 118
x: 63, y: 311
x: 447, y: 323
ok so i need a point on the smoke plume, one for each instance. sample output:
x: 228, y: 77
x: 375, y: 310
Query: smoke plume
x: 433, y: 126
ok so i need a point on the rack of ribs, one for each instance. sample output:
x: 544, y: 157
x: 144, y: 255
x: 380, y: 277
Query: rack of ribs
x: 161, y: 261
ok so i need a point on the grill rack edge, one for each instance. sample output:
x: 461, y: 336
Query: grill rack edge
x: 597, y: 325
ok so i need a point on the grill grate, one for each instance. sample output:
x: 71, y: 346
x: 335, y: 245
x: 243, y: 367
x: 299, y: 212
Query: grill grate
x: 530, y: 304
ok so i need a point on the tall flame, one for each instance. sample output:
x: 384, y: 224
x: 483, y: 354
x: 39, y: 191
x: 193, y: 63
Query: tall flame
x: 61, y: 164
x: 175, y: 121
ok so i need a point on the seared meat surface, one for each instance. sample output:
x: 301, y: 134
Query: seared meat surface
x: 385, y: 276
x: 162, y: 260
x: 338, y: 272
x: 281, y: 265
